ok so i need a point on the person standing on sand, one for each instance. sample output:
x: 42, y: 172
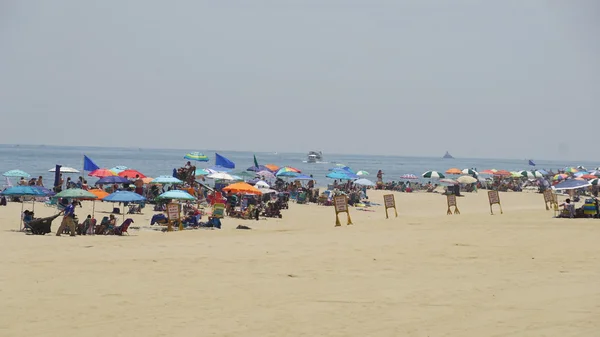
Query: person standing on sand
x: 39, y: 182
x: 139, y: 185
x: 67, y: 220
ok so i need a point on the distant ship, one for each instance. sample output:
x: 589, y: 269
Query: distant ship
x: 314, y: 156
x: 448, y: 156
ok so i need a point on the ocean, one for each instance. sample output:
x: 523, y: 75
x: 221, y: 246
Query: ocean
x: 38, y: 159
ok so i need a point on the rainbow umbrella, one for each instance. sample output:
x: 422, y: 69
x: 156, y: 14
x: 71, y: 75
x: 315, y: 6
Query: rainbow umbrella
x: 571, y: 170
x: 560, y: 177
x: 197, y: 156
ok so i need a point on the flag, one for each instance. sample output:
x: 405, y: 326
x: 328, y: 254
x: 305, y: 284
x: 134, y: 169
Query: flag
x: 224, y: 162
x: 255, y: 161
x: 89, y: 165
x: 531, y: 163
x: 57, y: 175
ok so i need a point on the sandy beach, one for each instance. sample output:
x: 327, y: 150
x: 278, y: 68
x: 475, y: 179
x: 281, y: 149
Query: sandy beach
x: 423, y: 273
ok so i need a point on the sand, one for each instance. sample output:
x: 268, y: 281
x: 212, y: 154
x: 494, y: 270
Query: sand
x: 424, y: 273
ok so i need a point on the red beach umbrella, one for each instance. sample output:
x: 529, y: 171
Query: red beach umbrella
x: 130, y: 173
x: 101, y: 173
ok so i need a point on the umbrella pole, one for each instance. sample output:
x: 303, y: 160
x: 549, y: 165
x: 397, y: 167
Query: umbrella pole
x: 21, y: 215
x: 93, y: 208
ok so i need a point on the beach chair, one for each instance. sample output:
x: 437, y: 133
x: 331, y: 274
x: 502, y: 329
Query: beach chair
x: 301, y: 198
x: 41, y: 226
x: 119, y: 230
x: 218, y: 211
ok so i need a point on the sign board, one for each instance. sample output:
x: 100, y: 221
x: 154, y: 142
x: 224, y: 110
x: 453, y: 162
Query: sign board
x: 494, y: 198
x: 174, y: 214
x: 389, y: 202
x: 550, y: 197
x: 451, y: 199
x: 340, y: 203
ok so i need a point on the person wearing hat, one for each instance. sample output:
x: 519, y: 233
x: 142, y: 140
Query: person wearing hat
x: 68, y: 215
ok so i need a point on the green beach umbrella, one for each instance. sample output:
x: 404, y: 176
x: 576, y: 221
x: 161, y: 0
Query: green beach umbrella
x: 76, y: 193
x: 433, y: 175
x: 16, y: 173
x: 362, y: 173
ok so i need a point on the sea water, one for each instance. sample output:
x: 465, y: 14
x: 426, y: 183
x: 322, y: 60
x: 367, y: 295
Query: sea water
x: 37, y: 160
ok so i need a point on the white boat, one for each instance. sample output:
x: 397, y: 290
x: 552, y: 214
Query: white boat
x: 314, y: 157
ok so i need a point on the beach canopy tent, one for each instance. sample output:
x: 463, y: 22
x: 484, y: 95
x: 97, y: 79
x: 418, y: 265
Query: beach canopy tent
x: 131, y: 173
x: 166, y: 180
x: 16, y: 173
x: 433, y: 175
x: 176, y: 195
x: 22, y: 191
x: 64, y: 169
x: 197, y: 156
x: 364, y: 182
x: 242, y: 187
x: 571, y: 184
x: 101, y: 173
x: 113, y: 180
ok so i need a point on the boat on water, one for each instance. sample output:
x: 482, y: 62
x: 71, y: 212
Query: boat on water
x: 448, y: 156
x: 314, y: 157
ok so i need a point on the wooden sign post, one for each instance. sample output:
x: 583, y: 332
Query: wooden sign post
x: 550, y: 197
x: 389, y: 202
x: 340, y: 203
x: 494, y: 198
x: 174, y: 214
x: 451, y: 198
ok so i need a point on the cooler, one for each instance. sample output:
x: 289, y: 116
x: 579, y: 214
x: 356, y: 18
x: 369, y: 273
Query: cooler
x: 589, y: 208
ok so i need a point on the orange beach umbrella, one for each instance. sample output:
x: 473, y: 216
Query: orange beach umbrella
x: 242, y: 187
x: 454, y: 171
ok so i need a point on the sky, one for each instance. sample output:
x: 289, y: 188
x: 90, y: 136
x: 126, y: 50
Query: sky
x: 500, y: 79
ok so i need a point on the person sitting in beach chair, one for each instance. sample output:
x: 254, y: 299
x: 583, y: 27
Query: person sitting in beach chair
x: 159, y: 219
x: 82, y: 228
x: 568, y: 210
x: 106, y: 224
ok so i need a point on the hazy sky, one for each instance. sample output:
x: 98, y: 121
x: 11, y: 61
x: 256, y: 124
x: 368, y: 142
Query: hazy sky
x: 478, y: 78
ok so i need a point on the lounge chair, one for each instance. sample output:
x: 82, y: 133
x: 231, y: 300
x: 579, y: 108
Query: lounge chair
x: 119, y: 230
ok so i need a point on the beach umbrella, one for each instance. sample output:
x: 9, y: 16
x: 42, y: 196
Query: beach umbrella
x: 76, y: 193
x: 343, y: 175
x: 218, y: 168
x: 490, y: 171
x: 166, y: 180
x: 16, y: 173
x: 258, y: 168
x: 197, y: 156
x: 130, y: 173
x: 543, y: 172
x: 64, y: 169
x: 201, y: 172
x: 453, y: 170
x: 220, y: 176
x: 101, y: 173
x: 503, y: 173
x: 433, y: 175
x: 408, y: 176
x: 580, y: 173
x: 44, y: 190
x: 124, y: 196
x: 268, y: 175
x: 531, y: 174
x: 289, y: 169
x: 571, y: 170
x: 20, y: 191
x: 595, y: 173
x: 362, y: 173
x: 571, y: 184
x: 581, y: 168
x: 113, y: 180
x: 272, y: 167
x: 118, y: 169
x: 588, y: 176
x: 261, y: 184
x: 286, y: 174
x: 594, y: 181
x: 242, y: 187
x: 560, y: 177
x: 267, y: 190
x: 245, y: 174
x: 449, y: 181
x: 176, y: 195
x: 147, y: 180
x: 302, y: 177
x: 236, y: 178
x: 466, y: 180
x: 364, y: 182
x: 469, y: 172
x: 515, y: 174
x: 100, y: 194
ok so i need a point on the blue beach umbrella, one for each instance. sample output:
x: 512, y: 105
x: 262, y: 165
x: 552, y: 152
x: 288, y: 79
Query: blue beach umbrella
x: 20, y: 191
x: 124, y: 196
x: 197, y: 156
x: 113, y: 180
x: 16, y: 173
x: 287, y: 174
x: 303, y: 177
x: 166, y: 180
x: 342, y: 175
x: 571, y: 184
x: 177, y: 195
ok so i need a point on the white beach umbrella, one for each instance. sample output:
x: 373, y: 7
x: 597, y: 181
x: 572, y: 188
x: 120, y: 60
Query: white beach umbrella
x: 220, y: 176
x: 362, y: 173
x: 64, y: 169
x: 433, y: 175
x: 466, y: 180
x: 364, y: 182
x: 261, y: 184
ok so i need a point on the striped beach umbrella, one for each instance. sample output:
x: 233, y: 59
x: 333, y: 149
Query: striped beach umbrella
x: 408, y: 176
x: 433, y: 175
x: 531, y: 174
x: 197, y: 156
x: 595, y: 181
x: 470, y: 172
